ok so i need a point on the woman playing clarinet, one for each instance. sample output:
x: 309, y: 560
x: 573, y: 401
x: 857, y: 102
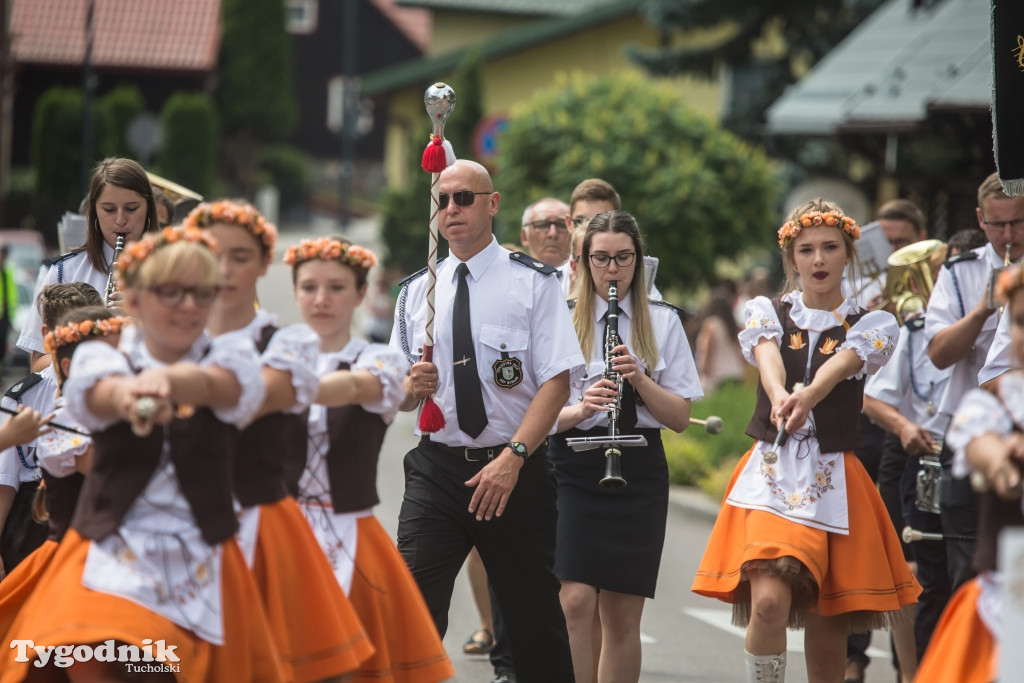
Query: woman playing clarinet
x: 610, y: 539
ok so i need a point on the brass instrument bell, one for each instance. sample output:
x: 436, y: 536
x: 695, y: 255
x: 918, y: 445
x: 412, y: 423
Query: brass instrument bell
x: 184, y: 199
x: 911, y: 277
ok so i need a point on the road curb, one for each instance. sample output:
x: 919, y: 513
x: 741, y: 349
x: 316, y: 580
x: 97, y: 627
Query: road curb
x: 694, y: 501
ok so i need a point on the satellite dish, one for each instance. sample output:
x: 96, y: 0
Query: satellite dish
x: 848, y: 196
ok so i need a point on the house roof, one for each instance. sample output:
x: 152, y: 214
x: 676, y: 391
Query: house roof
x: 414, y: 23
x: 507, y: 42
x: 537, y: 7
x: 158, y: 35
x: 892, y: 69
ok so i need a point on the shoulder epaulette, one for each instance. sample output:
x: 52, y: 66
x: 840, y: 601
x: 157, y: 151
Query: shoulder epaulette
x: 571, y: 303
x: 54, y: 260
x: 525, y: 260
x: 421, y: 271
x: 915, y: 324
x: 18, y: 389
x: 960, y: 258
x: 681, y: 312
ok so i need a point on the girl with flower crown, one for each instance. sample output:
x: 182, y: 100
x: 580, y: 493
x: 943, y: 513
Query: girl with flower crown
x: 986, y: 435
x: 63, y: 455
x: 803, y: 539
x: 360, y: 392
x: 150, y: 557
x: 316, y: 631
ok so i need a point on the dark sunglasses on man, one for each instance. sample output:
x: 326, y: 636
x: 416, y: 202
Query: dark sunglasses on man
x: 462, y: 198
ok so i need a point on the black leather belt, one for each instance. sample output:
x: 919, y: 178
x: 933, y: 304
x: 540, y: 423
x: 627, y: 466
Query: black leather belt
x: 470, y: 454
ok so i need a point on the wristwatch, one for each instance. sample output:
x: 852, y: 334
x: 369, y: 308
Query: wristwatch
x: 519, y: 448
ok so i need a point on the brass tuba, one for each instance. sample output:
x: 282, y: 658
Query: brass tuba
x: 184, y: 199
x: 911, y: 277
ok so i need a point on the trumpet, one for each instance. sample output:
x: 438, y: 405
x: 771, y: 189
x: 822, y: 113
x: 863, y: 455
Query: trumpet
x: 994, y: 275
x: 111, y: 279
x: 613, y: 466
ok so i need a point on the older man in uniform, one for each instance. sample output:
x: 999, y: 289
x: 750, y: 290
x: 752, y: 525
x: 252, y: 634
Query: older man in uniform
x: 504, y: 348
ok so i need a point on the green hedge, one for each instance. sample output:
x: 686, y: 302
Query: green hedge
x: 189, y: 151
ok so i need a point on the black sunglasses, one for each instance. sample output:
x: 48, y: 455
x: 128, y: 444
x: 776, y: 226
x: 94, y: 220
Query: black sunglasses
x: 462, y: 198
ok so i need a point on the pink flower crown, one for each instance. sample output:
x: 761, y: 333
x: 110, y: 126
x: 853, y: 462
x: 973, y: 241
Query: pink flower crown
x: 137, y: 252
x: 233, y: 213
x: 834, y: 219
x: 72, y: 333
x: 327, y: 249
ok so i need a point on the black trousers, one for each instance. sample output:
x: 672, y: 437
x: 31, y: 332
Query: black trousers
x: 436, y: 533
x: 959, y: 505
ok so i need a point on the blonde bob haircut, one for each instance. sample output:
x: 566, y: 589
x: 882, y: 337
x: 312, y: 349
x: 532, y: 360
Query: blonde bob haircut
x: 171, y: 262
x: 642, y: 338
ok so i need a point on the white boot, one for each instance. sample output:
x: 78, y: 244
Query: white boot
x: 766, y: 668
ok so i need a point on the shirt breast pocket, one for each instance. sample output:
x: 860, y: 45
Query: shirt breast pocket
x: 504, y: 351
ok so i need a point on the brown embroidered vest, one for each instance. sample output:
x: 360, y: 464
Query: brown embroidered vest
x: 355, y: 436
x: 202, y: 448
x: 271, y: 451
x: 61, y: 498
x: 837, y: 416
x: 994, y: 515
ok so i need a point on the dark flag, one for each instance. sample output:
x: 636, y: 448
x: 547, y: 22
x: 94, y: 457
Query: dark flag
x: 1008, y: 93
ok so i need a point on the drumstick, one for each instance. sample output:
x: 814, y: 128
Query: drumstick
x: 712, y: 425
x: 911, y: 535
x: 49, y: 424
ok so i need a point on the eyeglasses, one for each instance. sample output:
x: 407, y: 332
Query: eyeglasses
x: 1014, y: 224
x: 580, y: 220
x: 622, y: 259
x: 172, y: 294
x: 462, y: 198
x: 544, y: 226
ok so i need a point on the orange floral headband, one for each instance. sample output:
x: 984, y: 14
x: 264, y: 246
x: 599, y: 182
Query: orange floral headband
x: 72, y: 333
x: 330, y: 250
x: 137, y: 252
x: 233, y: 213
x: 834, y: 219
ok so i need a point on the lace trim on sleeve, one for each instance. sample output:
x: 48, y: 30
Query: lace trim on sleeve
x: 238, y: 355
x: 873, y: 338
x: 761, y: 323
x: 390, y: 367
x: 979, y: 413
x: 58, y: 449
x: 92, y: 362
x: 294, y: 349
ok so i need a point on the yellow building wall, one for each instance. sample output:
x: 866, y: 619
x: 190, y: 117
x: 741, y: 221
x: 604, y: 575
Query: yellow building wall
x: 512, y: 79
x: 454, y: 30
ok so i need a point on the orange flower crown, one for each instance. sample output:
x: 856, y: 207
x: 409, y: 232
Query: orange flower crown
x: 233, y: 213
x: 791, y: 229
x: 1010, y: 280
x: 137, y: 252
x: 330, y: 250
x: 72, y: 333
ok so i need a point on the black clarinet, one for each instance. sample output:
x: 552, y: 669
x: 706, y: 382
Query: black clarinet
x: 613, y: 465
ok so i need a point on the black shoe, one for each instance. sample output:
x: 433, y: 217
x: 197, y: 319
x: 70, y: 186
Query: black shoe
x: 504, y: 676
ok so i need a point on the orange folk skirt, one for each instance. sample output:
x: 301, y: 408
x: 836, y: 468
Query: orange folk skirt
x: 17, y: 586
x: 409, y: 649
x: 861, y: 572
x: 61, y: 611
x: 316, y: 630
x: 962, y: 649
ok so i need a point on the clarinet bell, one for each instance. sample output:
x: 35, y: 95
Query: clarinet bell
x: 613, y: 470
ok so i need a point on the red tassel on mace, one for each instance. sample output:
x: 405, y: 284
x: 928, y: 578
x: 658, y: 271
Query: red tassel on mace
x: 433, y: 156
x: 431, y: 417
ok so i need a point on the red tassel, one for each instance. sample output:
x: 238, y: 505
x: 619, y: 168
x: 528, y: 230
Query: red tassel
x: 431, y: 417
x: 433, y: 156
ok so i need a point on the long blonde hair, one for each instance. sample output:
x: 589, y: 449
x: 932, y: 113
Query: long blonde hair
x: 789, y: 261
x: 642, y: 336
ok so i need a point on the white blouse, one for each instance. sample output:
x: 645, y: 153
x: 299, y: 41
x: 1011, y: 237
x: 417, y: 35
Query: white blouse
x: 58, y: 449
x: 157, y: 557
x: 801, y: 483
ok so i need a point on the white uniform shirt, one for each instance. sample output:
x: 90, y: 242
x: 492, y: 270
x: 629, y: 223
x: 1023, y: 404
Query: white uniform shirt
x: 911, y: 383
x: 514, y: 311
x: 999, y: 358
x: 958, y: 289
x: 74, y: 268
x: 675, y: 370
x: 18, y: 463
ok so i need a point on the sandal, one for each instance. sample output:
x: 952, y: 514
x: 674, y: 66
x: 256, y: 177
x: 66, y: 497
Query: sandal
x: 480, y: 643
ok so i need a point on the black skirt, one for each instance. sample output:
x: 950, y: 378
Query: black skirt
x: 610, y: 538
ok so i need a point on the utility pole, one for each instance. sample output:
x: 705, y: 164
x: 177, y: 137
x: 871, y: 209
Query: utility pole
x: 6, y: 106
x: 349, y: 107
x: 88, y: 94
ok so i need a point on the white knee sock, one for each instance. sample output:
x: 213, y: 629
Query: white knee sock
x: 766, y: 668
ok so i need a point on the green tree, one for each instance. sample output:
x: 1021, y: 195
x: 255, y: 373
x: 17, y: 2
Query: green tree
x: 56, y: 153
x: 254, y: 92
x: 406, y: 211
x: 120, y: 106
x: 697, y: 192
x: 809, y: 28
x: 189, y: 151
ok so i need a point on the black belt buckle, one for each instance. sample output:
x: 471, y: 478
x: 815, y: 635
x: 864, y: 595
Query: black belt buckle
x: 489, y: 451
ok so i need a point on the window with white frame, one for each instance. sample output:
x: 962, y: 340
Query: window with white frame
x: 300, y: 15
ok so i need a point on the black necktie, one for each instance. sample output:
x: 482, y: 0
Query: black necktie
x: 469, y: 400
x: 627, y: 404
